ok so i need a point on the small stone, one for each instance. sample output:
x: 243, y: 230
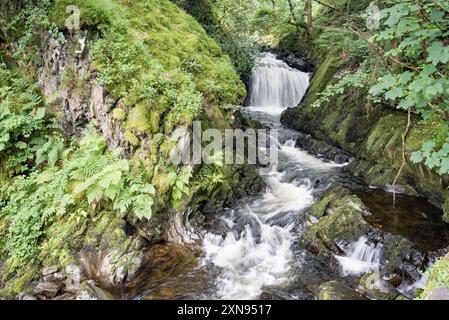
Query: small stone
x: 313, y: 219
x: 49, y: 278
x: 48, y: 289
x: 49, y: 270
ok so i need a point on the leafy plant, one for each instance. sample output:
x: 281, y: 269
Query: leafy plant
x: 415, y: 37
x: 24, y: 125
x: 90, y: 178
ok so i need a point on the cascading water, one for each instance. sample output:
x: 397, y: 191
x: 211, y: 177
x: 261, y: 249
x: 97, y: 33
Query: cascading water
x: 275, y: 86
x: 257, y: 251
x: 360, y: 257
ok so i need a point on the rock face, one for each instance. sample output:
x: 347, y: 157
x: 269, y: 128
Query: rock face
x: 64, y: 78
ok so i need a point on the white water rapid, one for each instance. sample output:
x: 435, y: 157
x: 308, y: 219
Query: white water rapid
x: 275, y: 85
x: 257, y: 252
x: 360, y: 257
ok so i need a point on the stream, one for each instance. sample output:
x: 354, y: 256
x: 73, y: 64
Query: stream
x: 258, y: 254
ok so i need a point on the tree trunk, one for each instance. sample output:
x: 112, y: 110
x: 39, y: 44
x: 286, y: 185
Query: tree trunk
x: 309, y: 17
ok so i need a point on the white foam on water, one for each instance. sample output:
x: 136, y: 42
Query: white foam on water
x: 261, y: 254
x: 360, y: 257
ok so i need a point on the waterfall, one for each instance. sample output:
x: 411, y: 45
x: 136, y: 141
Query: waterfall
x: 257, y: 252
x: 360, y: 257
x: 275, y: 85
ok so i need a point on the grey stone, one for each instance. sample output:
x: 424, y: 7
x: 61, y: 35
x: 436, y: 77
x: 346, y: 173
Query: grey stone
x: 74, y: 277
x: 49, y: 270
x: 48, y: 289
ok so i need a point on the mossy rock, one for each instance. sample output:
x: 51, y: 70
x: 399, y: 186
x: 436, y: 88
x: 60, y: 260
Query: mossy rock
x: 340, y: 220
x: 374, y: 287
x: 334, y: 290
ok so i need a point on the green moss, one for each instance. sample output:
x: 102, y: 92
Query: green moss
x: 21, y: 281
x: 340, y: 219
x: 138, y: 118
x: 319, y: 208
x: 131, y: 138
x: 119, y: 114
x: 334, y: 290
x: 438, y: 276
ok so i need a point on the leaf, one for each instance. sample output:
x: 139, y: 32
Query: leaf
x: 416, y: 157
x: 438, y: 53
x: 444, y: 167
x: 393, y: 94
x: 432, y: 162
x: 427, y: 148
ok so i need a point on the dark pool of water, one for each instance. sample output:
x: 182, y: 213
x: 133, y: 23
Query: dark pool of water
x: 412, y: 217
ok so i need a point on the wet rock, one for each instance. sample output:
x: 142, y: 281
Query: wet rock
x: 55, y: 277
x: 117, y: 268
x: 179, y: 229
x: 50, y: 270
x: 74, y: 277
x: 394, y: 279
x: 334, y: 290
x: 438, y: 294
x: 410, y: 272
x: 47, y: 289
x: 270, y: 296
x: 322, y: 149
x: 341, y: 220
x: 86, y: 292
x: 374, y: 287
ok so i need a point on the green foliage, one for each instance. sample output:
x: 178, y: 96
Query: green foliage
x: 438, y: 276
x: 344, y: 82
x: 419, y: 79
x: 90, y: 178
x: 179, y: 181
x: 142, y: 58
x: 24, y: 126
x: 220, y: 19
x: 23, y: 29
x: 433, y: 158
